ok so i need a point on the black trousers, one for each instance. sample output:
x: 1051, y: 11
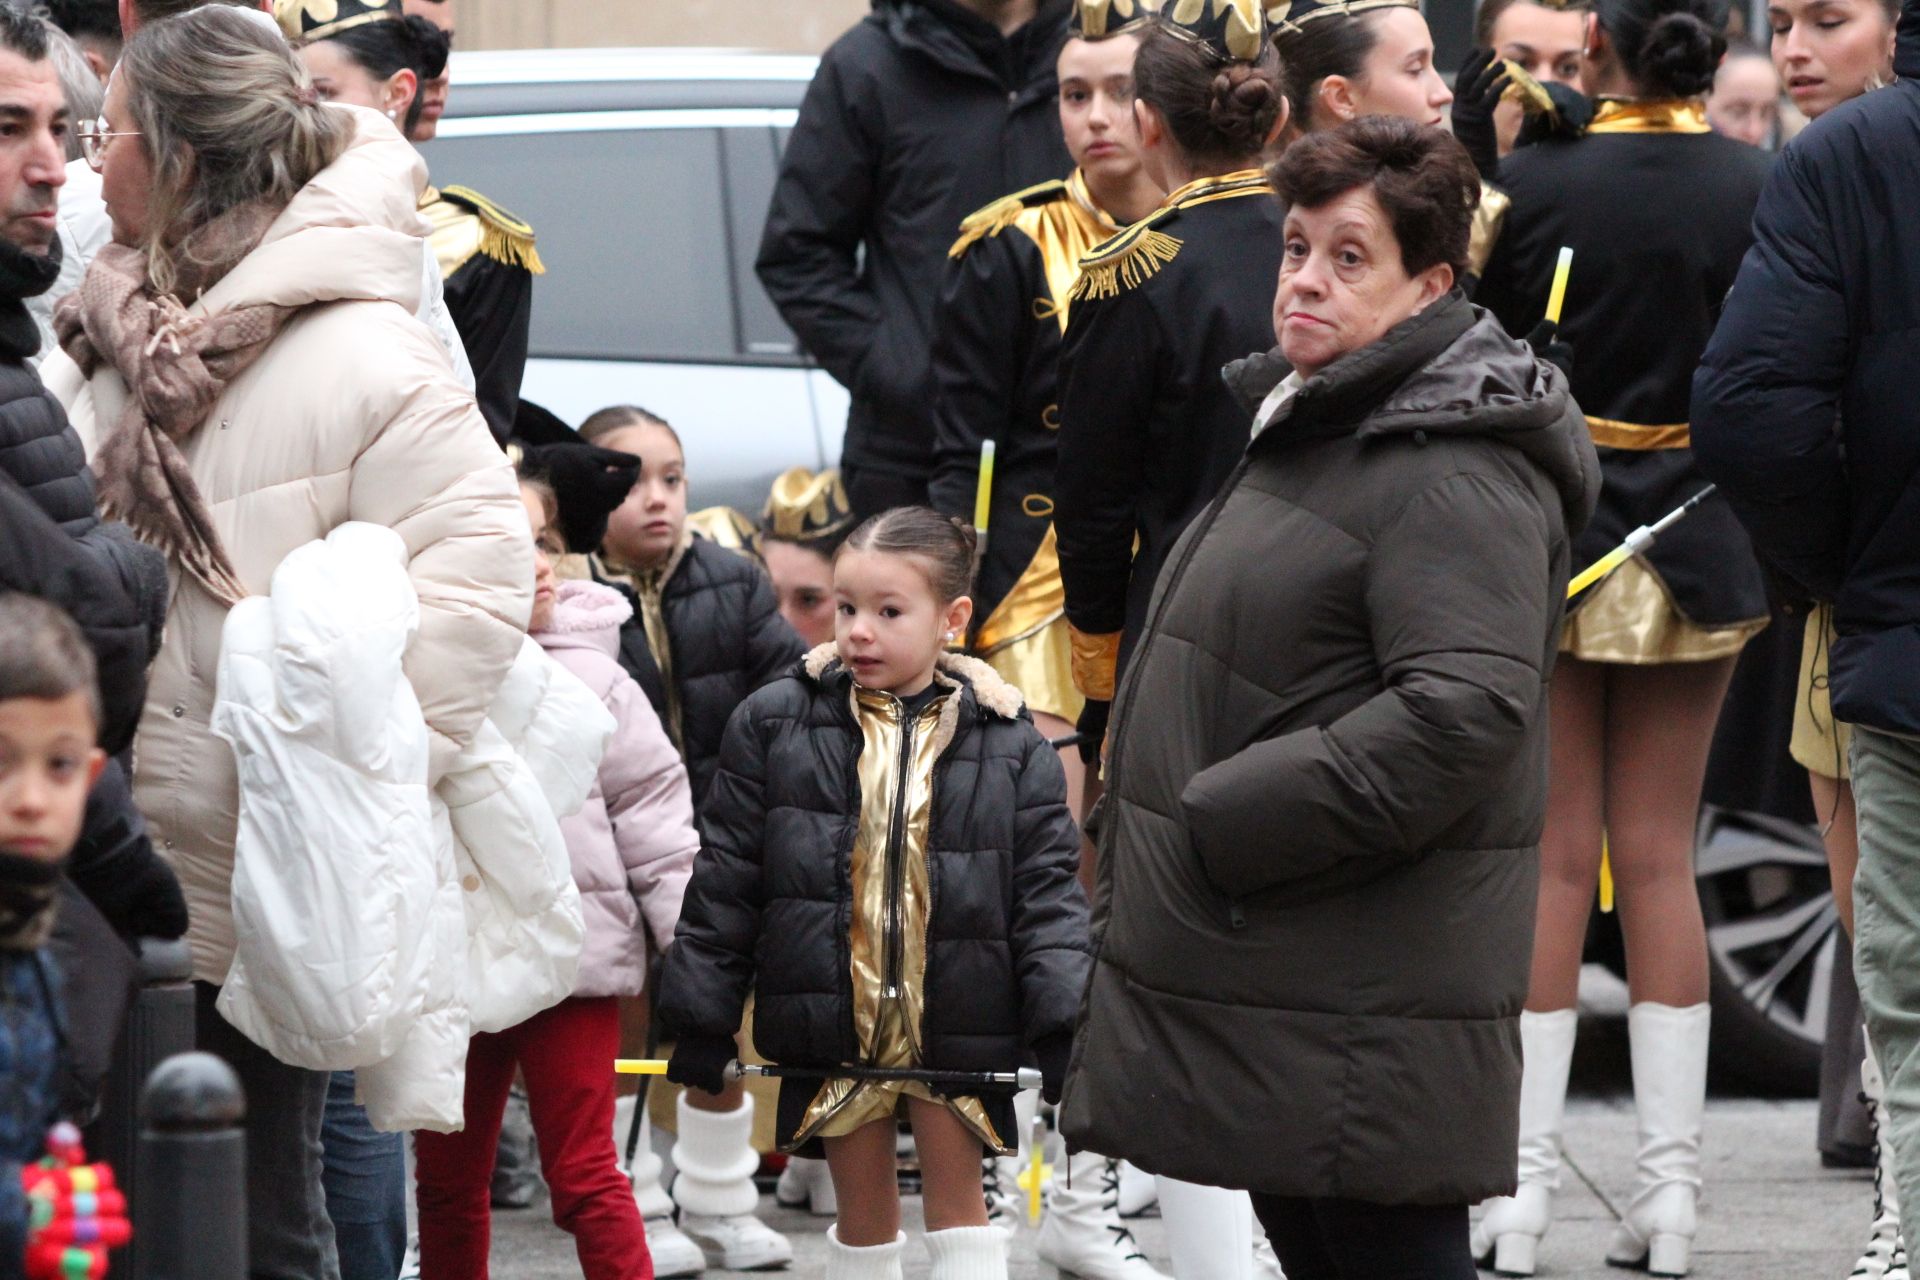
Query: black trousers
x: 1355, y: 1240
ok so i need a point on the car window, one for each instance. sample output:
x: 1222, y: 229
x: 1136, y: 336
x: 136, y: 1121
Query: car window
x: 632, y: 226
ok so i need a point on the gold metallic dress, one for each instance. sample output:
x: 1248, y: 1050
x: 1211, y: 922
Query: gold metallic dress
x: 888, y: 940
x: 1631, y: 619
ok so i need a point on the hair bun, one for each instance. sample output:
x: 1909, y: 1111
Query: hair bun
x: 1243, y: 103
x: 1680, y: 54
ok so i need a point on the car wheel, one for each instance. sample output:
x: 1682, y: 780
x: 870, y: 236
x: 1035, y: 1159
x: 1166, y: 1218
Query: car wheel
x: 1772, y: 937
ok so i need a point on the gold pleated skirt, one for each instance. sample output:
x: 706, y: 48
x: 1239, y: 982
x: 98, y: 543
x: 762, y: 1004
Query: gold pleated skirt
x: 1040, y: 666
x: 1631, y: 619
x: 1819, y: 742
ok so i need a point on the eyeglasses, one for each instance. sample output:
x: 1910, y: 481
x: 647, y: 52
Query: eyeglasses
x: 94, y: 137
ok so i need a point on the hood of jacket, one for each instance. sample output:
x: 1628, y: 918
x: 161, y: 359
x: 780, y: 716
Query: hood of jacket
x: 983, y: 693
x: 963, y: 42
x: 1451, y: 370
x: 586, y: 615
x: 352, y: 233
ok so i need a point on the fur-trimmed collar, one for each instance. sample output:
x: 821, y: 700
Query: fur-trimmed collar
x: 955, y: 670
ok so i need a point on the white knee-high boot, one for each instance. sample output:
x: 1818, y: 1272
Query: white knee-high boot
x: 872, y: 1262
x: 967, y: 1253
x: 714, y: 1162
x: 1083, y: 1235
x: 1510, y: 1227
x: 1209, y: 1231
x: 1886, y: 1254
x: 1669, y: 1048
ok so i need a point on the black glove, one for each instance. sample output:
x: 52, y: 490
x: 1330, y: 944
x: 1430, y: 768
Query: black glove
x: 700, y: 1062
x: 1052, y: 1053
x: 1476, y: 92
x: 1546, y: 344
x: 1572, y: 113
x: 590, y: 482
x: 1092, y: 728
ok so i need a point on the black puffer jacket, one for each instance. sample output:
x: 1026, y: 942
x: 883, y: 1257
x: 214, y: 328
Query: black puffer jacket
x: 1327, y: 783
x: 1803, y: 406
x: 769, y: 907
x: 919, y: 115
x: 52, y: 545
x: 726, y: 636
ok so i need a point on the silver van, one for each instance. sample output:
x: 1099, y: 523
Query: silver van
x: 646, y: 174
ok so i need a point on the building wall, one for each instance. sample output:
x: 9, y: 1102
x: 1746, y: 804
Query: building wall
x: 799, y: 26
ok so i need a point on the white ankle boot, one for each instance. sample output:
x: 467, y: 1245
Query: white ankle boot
x: 714, y: 1162
x: 673, y: 1254
x: 1507, y: 1237
x: 807, y: 1184
x: 873, y: 1262
x: 1886, y: 1254
x: 967, y: 1253
x: 1669, y: 1048
x: 1209, y: 1231
x: 1083, y: 1235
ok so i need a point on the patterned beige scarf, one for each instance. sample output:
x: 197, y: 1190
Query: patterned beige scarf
x: 175, y: 366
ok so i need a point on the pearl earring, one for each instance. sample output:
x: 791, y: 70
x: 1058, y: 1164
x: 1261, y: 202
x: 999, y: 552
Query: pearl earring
x: 393, y: 114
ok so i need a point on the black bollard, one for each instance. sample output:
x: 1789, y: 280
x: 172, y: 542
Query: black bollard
x: 191, y: 1184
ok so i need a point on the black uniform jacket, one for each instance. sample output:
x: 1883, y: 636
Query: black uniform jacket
x: 1148, y: 429
x: 920, y: 114
x: 1657, y: 221
x: 488, y: 262
x: 996, y: 358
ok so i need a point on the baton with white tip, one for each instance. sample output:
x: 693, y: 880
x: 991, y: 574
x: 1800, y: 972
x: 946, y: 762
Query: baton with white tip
x: 1024, y: 1078
x: 1637, y: 541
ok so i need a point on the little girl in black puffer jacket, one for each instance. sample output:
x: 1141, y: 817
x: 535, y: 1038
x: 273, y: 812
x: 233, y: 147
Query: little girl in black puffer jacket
x: 887, y: 862
x: 706, y: 628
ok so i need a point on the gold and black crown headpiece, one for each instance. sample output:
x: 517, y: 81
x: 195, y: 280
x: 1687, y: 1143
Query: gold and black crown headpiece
x: 1291, y: 15
x: 1098, y: 19
x: 309, y: 20
x: 1233, y: 28
x: 807, y: 507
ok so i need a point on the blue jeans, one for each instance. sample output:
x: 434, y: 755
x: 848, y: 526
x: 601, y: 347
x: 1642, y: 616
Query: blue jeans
x: 366, y: 1182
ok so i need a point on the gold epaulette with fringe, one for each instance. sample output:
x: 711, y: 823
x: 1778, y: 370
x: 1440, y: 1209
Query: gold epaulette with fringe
x: 1133, y: 256
x: 501, y: 235
x: 1000, y: 215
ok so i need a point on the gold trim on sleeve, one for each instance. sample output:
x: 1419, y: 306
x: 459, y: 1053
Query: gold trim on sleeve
x: 1096, y: 659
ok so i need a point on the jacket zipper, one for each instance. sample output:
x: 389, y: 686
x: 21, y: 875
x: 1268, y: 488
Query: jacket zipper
x: 896, y: 844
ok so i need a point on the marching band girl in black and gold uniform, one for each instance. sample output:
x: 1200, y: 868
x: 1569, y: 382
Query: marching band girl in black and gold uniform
x: 996, y: 355
x: 1148, y: 431
x: 1656, y: 209
x: 996, y: 351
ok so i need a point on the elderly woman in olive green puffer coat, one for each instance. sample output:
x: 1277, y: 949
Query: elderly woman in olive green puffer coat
x: 1324, y: 798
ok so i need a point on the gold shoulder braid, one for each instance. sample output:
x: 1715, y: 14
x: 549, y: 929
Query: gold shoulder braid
x: 1137, y: 254
x: 466, y: 222
x: 1000, y: 215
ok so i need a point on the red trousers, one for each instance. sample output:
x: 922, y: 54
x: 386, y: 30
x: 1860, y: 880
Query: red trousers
x: 566, y: 1057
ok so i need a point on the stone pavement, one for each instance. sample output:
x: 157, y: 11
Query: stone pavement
x: 1770, y: 1211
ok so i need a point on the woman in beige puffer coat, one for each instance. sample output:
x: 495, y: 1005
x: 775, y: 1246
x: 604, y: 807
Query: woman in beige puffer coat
x: 246, y: 369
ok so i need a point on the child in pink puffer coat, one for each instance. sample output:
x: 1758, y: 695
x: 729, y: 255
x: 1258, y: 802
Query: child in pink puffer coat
x: 632, y: 846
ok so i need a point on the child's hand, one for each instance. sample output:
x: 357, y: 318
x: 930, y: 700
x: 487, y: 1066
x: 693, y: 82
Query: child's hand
x: 700, y: 1062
